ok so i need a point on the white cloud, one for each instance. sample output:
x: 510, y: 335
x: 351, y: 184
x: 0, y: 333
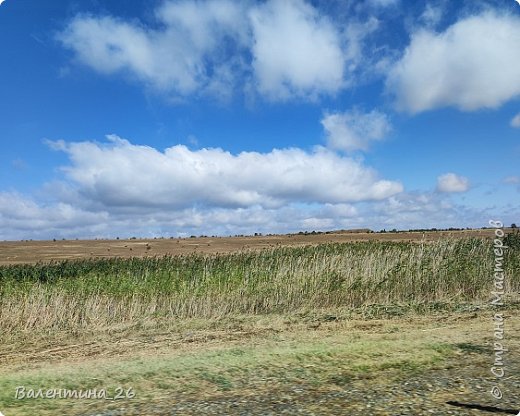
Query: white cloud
x: 422, y: 210
x: 22, y: 217
x: 295, y: 50
x: 432, y: 14
x: 175, y: 58
x: 473, y: 64
x: 354, y: 130
x: 46, y: 221
x: 204, y: 21
x: 284, y: 48
x: 515, y: 121
x: 74, y: 216
x: 120, y: 174
x: 355, y: 53
x: 450, y: 183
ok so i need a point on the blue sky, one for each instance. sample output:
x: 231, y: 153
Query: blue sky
x: 168, y: 118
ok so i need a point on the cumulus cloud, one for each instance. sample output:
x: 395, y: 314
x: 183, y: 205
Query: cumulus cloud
x: 515, y: 121
x: 121, y: 174
x: 295, y: 50
x: 472, y: 64
x: 172, y: 58
x: 116, y: 188
x: 279, y: 49
x: 354, y: 130
x: 23, y: 217
x: 450, y: 183
x: 72, y: 210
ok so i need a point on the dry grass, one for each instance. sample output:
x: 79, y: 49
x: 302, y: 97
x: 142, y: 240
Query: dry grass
x: 245, y: 356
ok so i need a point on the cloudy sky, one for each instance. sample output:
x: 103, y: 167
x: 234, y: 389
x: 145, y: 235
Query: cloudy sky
x: 180, y: 117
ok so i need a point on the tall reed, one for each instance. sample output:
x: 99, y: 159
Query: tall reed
x: 93, y: 293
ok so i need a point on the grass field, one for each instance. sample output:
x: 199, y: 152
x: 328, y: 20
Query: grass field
x: 207, y: 325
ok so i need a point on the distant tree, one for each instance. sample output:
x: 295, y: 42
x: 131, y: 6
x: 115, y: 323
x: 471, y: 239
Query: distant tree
x: 513, y: 225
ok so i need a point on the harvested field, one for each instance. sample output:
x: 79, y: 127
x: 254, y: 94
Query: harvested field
x: 13, y: 252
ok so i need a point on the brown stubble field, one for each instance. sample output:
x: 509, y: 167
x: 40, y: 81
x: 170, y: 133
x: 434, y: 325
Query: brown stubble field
x: 17, y: 252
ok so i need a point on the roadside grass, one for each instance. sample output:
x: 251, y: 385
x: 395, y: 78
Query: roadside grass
x: 327, y: 359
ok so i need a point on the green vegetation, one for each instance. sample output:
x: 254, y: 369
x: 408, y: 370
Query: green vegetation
x: 90, y: 293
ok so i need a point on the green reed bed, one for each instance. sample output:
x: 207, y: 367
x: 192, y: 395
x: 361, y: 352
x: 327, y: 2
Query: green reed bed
x: 100, y: 292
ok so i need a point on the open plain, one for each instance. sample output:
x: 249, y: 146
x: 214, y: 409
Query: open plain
x: 15, y: 252
x: 316, y: 324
